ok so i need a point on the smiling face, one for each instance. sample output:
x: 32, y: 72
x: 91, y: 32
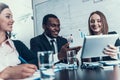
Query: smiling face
x: 52, y: 28
x: 96, y: 24
x: 6, y: 20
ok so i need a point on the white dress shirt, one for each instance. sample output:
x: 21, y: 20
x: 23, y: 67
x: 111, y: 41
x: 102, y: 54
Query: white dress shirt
x: 8, y: 54
x: 55, y: 46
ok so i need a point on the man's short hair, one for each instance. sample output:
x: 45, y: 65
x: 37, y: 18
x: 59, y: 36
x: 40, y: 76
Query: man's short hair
x: 46, y: 17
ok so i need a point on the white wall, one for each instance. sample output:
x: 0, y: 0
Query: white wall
x: 22, y: 12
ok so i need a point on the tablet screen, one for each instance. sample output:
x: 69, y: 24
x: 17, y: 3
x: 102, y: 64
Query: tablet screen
x: 93, y: 45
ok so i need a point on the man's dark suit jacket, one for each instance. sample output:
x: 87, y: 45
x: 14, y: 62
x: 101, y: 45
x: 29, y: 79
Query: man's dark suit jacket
x: 24, y: 52
x: 41, y: 43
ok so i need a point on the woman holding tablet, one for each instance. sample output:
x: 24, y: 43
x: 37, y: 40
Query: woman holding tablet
x: 97, y: 25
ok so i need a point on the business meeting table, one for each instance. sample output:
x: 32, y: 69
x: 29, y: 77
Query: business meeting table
x: 84, y: 74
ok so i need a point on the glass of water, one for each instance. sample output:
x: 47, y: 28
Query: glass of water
x: 45, y: 61
x: 118, y: 52
x: 71, y: 59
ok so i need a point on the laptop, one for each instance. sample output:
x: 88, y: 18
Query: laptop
x: 94, y: 45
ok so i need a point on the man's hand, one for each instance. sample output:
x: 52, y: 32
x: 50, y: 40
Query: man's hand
x: 76, y: 48
x: 63, y: 52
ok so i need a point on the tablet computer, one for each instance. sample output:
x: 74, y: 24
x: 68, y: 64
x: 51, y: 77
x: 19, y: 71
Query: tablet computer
x: 94, y: 45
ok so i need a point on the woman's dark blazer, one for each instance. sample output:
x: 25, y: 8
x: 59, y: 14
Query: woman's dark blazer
x: 118, y: 40
x: 24, y: 52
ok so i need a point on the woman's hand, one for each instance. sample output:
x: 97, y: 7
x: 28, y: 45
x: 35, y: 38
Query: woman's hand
x: 111, y: 51
x: 18, y: 72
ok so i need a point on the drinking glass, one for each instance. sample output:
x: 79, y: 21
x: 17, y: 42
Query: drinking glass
x: 71, y: 59
x: 45, y: 60
x: 118, y: 52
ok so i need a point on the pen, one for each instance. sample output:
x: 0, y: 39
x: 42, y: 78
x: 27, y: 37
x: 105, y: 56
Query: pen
x: 22, y: 60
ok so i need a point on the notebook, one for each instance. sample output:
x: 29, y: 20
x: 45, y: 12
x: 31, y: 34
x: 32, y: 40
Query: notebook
x: 93, y: 45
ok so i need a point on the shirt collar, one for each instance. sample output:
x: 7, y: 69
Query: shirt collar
x: 49, y: 39
x: 8, y: 41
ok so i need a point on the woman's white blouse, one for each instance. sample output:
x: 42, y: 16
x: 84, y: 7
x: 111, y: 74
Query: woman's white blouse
x: 8, y: 55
